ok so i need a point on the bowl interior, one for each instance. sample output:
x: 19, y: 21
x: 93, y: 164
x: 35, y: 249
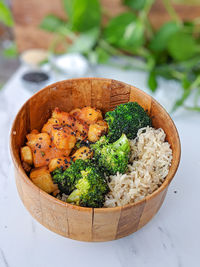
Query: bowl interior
x: 104, y: 94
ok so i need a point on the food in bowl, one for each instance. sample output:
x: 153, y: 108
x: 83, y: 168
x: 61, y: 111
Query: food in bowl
x: 87, y: 160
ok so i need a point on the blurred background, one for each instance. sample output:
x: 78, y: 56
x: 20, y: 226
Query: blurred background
x: 154, y: 45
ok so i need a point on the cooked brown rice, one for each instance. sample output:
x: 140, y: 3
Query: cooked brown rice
x: 148, y: 167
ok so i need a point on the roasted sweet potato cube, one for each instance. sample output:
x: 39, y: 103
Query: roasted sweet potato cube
x: 26, y: 155
x: 55, y: 152
x: 43, y: 159
x: 63, y: 117
x: 83, y: 153
x: 63, y: 137
x: 97, y: 130
x: 48, y: 126
x: 34, y: 131
x: 41, y: 140
x: 39, y: 144
x: 75, y: 112
x: 90, y: 115
x: 26, y: 166
x: 55, y: 163
x: 81, y: 129
x: 42, y: 178
x: 43, y: 150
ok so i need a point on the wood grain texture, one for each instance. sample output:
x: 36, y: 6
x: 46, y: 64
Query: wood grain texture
x: 80, y: 223
x: 100, y: 94
x: 105, y: 222
x: 129, y: 219
x: 120, y: 93
x: 54, y: 216
x: 151, y: 207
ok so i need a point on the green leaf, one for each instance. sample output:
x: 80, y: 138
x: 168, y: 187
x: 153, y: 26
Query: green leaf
x: 68, y: 6
x: 5, y: 15
x: 152, y: 82
x: 11, y: 51
x: 125, y: 31
x: 160, y: 40
x: 102, y: 55
x: 135, y: 4
x: 83, y: 14
x: 185, y: 82
x: 182, y: 46
x: 85, y: 41
x: 51, y: 23
x: 116, y: 27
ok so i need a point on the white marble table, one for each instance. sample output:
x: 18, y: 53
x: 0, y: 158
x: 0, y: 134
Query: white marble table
x: 172, y: 238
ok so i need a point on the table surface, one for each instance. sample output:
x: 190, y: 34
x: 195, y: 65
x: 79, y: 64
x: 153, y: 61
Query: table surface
x: 171, y: 238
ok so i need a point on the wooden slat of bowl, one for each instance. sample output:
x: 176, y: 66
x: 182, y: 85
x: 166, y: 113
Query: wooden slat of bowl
x: 80, y: 223
x: 105, y: 222
x: 130, y: 219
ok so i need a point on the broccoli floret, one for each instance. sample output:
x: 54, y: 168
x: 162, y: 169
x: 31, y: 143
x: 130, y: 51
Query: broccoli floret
x: 91, y: 189
x: 126, y: 118
x: 66, y: 180
x: 112, y: 158
x: 83, y: 182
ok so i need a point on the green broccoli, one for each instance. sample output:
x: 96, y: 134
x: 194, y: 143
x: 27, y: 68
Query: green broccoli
x: 90, y: 189
x: 112, y: 158
x: 66, y: 180
x: 83, y: 182
x: 126, y: 118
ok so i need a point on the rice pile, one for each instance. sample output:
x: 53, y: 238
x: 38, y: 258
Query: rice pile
x: 148, y: 166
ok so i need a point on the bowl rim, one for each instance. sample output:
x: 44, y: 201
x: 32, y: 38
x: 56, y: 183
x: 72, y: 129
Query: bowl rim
x: 27, y: 180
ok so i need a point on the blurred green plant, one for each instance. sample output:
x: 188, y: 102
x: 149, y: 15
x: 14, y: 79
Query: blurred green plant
x: 172, y: 52
x: 5, y: 15
x: 7, y: 19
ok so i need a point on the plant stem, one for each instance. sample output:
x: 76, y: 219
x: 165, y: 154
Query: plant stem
x: 196, y: 97
x: 192, y: 108
x: 58, y: 38
x: 106, y: 12
x: 196, y: 83
x: 171, y: 11
x: 110, y: 49
x: 145, y: 11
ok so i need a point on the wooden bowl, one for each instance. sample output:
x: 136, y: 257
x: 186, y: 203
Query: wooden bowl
x: 88, y: 224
